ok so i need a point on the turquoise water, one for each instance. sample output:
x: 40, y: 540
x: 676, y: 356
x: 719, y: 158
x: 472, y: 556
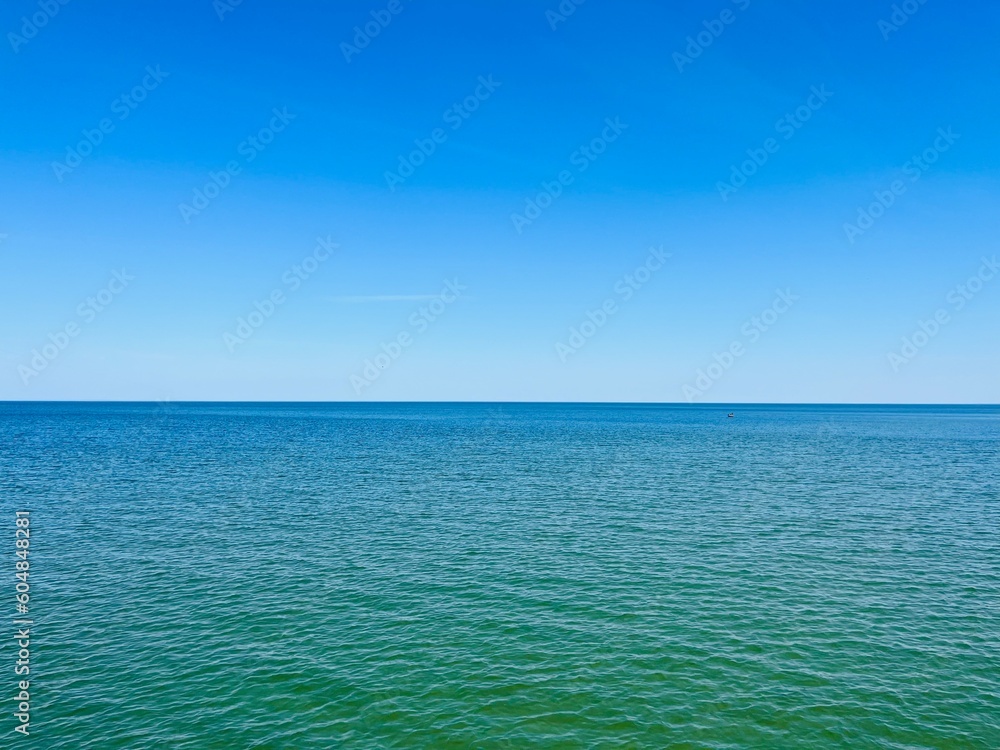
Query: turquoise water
x: 515, y: 576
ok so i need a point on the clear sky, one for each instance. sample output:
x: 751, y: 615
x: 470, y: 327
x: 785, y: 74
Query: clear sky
x: 461, y: 201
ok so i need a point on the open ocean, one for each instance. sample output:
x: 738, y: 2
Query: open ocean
x: 504, y: 576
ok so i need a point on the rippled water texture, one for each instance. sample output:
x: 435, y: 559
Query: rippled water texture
x: 515, y: 576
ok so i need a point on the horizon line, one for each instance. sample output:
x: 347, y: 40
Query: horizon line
x: 563, y: 403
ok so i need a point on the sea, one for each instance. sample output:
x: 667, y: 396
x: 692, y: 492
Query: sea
x: 486, y: 576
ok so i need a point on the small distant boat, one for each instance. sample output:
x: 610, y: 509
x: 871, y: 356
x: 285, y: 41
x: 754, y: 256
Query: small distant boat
x: 731, y: 415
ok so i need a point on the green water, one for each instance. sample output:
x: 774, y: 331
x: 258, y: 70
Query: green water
x: 516, y: 576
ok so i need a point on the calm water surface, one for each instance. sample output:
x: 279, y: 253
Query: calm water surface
x: 505, y: 576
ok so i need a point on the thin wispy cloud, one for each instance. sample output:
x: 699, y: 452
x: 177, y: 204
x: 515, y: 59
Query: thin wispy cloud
x: 386, y: 298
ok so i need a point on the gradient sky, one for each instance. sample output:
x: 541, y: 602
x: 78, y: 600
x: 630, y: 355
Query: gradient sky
x: 687, y: 122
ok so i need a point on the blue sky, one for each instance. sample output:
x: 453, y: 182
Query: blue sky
x: 841, y: 155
